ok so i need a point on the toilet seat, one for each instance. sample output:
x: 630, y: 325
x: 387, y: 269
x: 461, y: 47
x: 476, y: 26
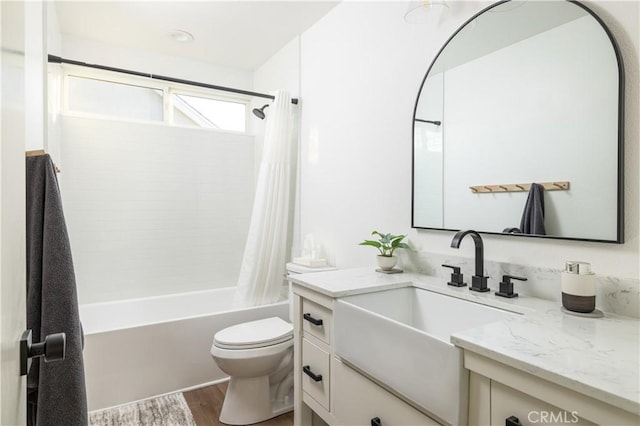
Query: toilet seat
x: 254, y: 334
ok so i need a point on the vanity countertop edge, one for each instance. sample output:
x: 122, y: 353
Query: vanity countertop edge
x: 595, y: 357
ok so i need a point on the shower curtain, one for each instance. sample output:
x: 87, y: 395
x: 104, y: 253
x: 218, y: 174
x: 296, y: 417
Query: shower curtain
x: 263, y: 264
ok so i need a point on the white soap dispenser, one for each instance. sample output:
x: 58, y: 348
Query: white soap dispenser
x: 578, y: 287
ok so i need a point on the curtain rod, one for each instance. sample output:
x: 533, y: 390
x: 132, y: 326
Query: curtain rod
x: 59, y: 60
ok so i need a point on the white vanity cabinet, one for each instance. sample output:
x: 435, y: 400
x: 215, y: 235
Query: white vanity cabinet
x: 372, y: 405
x: 312, y: 326
x: 498, y: 392
x: 315, y: 352
x: 329, y: 391
x: 516, y: 368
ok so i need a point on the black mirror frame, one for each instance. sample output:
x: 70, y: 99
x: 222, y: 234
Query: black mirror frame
x: 620, y: 181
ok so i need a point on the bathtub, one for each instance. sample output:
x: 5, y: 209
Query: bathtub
x: 139, y: 348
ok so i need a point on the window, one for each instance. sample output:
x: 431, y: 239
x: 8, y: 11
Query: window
x: 139, y: 98
x: 209, y: 113
x: 114, y: 99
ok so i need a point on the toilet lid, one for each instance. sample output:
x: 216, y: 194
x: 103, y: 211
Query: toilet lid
x: 254, y: 334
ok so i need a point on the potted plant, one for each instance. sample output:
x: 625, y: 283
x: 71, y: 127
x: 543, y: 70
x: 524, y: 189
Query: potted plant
x: 386, y: 245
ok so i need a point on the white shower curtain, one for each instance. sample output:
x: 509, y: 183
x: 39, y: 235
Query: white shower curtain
x: 262, y: 270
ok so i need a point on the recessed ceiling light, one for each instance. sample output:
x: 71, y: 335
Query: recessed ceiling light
x: 181, y: 36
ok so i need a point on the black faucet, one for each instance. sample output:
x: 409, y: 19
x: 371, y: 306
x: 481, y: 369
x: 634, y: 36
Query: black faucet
x: 478, y: 280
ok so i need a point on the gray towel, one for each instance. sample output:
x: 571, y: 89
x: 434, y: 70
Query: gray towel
x: 533, y: 215
x: 56, y: 389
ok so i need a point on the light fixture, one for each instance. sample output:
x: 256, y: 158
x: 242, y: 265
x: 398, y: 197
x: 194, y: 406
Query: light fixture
x: 181, y: 36
x: 419, y: 10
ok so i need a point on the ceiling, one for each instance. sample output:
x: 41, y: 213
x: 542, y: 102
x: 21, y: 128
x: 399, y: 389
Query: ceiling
x: 240, y: 34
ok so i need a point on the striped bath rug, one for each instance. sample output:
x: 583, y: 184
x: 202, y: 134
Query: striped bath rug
x: 167, y: 410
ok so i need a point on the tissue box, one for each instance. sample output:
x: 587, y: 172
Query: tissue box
x: 307, y: 261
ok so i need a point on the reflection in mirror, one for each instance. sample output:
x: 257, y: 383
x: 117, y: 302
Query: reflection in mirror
x: 526, y: 91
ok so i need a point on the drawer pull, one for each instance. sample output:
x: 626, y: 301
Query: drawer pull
x: 308, y: 372
x: 512, y: 421
x: 312, y: 320
x: 376, y: 421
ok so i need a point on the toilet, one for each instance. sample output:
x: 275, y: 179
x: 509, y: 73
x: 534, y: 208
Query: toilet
x: 258, y: 357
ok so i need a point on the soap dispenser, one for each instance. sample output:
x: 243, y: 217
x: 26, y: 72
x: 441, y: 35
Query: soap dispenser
x: 578, y: 287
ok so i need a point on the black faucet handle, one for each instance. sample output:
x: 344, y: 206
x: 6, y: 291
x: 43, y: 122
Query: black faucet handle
x: 456, y: 269
x: 457, y: 279
x: 506, y: 286
x: 507, y: 278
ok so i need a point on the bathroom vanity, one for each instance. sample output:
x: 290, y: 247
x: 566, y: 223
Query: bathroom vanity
x: 324, y: 385
x: 535, y: 365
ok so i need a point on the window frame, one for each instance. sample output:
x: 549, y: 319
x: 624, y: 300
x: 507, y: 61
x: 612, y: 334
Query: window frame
x: 183, y: 89
x: 169, y: 89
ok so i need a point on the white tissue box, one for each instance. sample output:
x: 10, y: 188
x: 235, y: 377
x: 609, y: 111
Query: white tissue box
x: 307, y: 261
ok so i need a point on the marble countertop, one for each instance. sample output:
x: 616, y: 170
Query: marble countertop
x: 599, y: 357
x: 347, y: 282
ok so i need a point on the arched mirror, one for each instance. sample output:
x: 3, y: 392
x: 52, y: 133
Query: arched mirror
x: 525, y: 92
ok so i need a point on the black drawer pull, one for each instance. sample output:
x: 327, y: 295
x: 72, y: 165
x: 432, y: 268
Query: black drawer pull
x: 376, y: 421
x: 308, y: 372
x: 312, y: 320
x: 512, y: 421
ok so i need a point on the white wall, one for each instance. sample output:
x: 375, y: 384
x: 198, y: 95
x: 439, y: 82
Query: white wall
x: 282, y: 72
x: 35, y: 64
x: 54, y: 36
x: 154, y: 209
x: 361, y: 68
x: 94, y: 52
x: 54, y: 78
x: 14, y: 18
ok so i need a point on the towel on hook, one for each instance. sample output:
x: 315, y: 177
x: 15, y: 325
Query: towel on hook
x: 56, y: 390
x: 532, y: 221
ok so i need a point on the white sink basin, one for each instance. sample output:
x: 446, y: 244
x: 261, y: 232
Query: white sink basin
x: 401, y: 338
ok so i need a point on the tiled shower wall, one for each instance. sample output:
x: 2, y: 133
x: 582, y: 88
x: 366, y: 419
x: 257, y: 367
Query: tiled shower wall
x: 154, y: 209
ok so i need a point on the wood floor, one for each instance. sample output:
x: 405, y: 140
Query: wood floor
x: 206, y: 403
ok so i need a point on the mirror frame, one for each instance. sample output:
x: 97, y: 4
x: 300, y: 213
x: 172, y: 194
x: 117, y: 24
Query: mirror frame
x: 620, y: 178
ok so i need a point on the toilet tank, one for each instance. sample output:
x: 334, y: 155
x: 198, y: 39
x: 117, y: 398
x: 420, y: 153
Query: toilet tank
x: 294, y: 269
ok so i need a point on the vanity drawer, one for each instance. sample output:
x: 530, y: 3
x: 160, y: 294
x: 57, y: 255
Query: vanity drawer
x: 507, y: 402
x: 359, y: 401
x: 315, y: 373
x: 316, y: 321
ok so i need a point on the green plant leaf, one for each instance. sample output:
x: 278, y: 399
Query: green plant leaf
x: 370, y: 243
x: 387, y: 243
x: 395, y: 240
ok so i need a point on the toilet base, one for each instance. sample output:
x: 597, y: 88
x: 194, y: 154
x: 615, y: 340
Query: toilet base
x: 248, y: 401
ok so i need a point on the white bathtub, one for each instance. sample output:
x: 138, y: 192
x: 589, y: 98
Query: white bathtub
x: 139, y: 348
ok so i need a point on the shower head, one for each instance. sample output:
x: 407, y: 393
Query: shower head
x: 259, y: 112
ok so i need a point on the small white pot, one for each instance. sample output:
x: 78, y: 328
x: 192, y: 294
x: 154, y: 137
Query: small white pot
x: 386, y: 263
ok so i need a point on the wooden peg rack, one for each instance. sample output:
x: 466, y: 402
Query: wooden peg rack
x: 39, y: 152
x: 519, y: 187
